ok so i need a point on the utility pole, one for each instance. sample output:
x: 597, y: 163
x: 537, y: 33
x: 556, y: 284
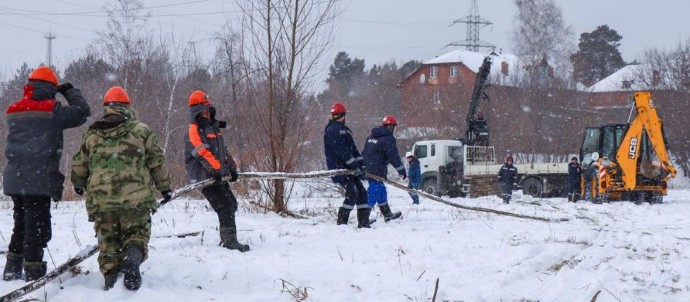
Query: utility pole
x: 474, y: 23
x: 49, y: 54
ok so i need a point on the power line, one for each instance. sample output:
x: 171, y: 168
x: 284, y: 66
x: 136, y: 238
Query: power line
x: 97, y: 13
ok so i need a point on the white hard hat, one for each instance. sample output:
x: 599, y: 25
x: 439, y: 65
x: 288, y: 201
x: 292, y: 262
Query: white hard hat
x: 595, y: 156
x: 409, y: 154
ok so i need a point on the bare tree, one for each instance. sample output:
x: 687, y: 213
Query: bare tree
x: 284, y: 40
x: 541, y: 33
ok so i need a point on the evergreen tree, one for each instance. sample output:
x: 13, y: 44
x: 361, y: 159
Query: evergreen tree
x: 343, y: 73
x: 598, y: 55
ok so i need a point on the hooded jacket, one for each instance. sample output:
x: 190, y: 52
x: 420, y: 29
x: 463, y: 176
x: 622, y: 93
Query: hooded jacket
x: 380, y: 150
x: 205, y: 150
x: 340, y: 149
x: 119, y: 162
x: 34, y: 139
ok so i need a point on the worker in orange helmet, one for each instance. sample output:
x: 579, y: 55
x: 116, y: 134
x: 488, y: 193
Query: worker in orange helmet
x: 118, y: 164
x: 206, y: 156
x: 32, y: 175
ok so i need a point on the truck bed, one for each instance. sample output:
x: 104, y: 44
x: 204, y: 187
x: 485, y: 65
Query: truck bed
x: 523, y: 169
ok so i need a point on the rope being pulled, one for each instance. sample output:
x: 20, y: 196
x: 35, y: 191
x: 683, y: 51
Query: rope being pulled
x: 330, y: 173
x: 470, y: 208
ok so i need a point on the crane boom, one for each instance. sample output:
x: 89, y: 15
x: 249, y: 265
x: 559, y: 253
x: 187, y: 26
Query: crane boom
x: 478, y: 132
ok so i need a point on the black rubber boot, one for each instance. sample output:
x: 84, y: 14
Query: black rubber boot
x: 34, y: 270
x: 131, y: 261
x: 388, y: 215
x: 363, y: 218
x: 13, y: 267
x: 343, y: 215
x: 228, y: 240
x: 111, y: 278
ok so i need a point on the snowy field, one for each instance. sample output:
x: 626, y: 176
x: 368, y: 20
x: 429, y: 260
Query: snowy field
x: 623, y: 251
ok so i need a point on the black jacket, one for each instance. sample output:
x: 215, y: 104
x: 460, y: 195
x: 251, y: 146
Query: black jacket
x: 35, y: 141
x: 574, y: 172
x: 340, y: 149
x: 205, y: 150
x: 507, y: 175
x: 380, y: 150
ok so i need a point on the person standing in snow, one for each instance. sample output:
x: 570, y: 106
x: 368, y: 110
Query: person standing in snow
x: 341, y: 153
x: 506, y: 177
x: 117, y: 165
x: 414, y: 175
x: 380, y: 150
x: 206, y: 156
x: 574, y: 179
x: 590, y: 178
x: 32, y: 175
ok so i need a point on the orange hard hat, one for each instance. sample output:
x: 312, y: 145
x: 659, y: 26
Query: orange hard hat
x: 199, y: 98
x: 44, y: 73
x: 116, y: 95
x: 389, y: 121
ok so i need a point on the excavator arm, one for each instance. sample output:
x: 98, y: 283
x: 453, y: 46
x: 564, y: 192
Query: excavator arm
x: 647, y: 119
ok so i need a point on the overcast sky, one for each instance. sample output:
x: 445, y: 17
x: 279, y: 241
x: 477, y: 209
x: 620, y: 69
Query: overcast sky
x: 378, y: 31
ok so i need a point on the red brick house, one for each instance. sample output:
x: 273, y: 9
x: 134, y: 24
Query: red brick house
x: 441, y: 88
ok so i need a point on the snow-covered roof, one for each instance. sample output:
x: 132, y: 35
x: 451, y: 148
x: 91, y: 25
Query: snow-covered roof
x: 473, y: 60
x: 625, y: 79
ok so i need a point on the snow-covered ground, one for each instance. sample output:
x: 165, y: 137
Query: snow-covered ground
x: 628, y: 252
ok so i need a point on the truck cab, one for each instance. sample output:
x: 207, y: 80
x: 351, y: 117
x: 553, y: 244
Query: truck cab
x: 433, y: 154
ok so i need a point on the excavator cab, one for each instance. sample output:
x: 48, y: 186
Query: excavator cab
x: 605, y: 140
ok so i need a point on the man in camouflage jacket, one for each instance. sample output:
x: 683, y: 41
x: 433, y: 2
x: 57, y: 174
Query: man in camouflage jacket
x: 118, y: 164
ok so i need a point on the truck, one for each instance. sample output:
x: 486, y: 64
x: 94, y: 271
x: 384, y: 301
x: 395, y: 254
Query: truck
x: 450, y: 167
x: 632, y: 161
x: 468, y: 166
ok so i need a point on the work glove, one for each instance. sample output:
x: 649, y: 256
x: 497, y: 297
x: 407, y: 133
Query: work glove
x: 233, y: 176
x: 403, y: 174
x: 217, y: 178
x: 62, y: 88
x: 358, y: 172
x: 364, y: 171
x: 167, y: 195
x: 79, y: 191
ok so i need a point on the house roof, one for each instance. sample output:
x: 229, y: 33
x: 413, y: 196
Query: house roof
x: 473, y: 60
x: 630, y: 74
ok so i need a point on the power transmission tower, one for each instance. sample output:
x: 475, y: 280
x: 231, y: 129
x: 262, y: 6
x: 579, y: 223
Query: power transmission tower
x: 49, y: 54
x: 474, y: 23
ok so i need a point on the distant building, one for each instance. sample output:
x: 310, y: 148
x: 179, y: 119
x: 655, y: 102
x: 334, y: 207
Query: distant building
x: 441, y: 87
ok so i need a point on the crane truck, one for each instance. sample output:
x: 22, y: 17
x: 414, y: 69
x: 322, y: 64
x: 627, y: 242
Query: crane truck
x: 625, y: 163
x: 469, y: 167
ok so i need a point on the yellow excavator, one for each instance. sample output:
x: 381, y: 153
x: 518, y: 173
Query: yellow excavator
x: 629, y: 161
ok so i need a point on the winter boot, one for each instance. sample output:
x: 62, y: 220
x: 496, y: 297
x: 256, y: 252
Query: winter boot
x: 388, y: 215
x: 34, y: 270
x: 343, y: 215
x: 14, y: 267
x: 131, y: 261
x: 363, y: 218
x: 228, y: 240
x: 111, y: 278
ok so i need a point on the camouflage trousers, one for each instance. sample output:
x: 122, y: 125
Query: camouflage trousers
x: 116, y: 230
